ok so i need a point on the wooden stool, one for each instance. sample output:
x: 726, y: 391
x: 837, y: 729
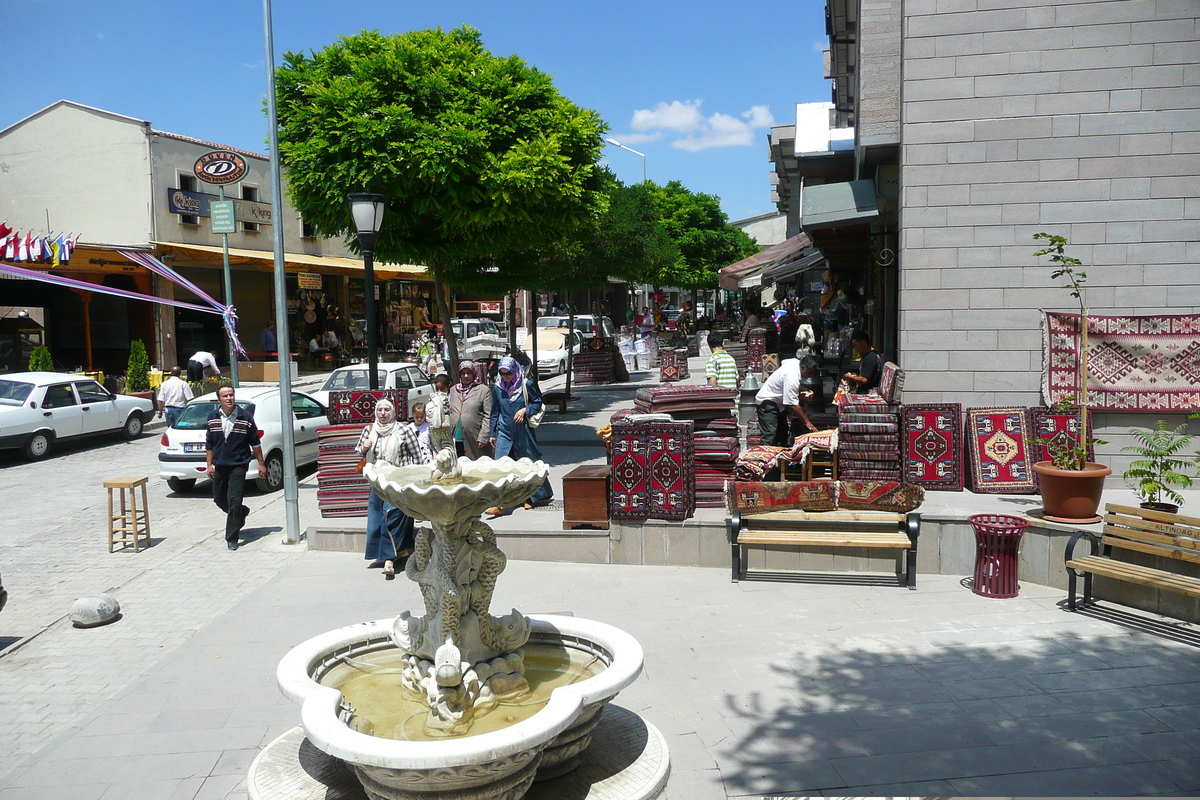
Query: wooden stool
x: 822, y: 462
x: 132, y: 524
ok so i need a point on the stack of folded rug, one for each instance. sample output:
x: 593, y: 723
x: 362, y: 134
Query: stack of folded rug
x: 593, y: 364
x: 341, y: 490
x: 653, y: 469
x: 869, y: 441
x: 716, y: 457
x: 705, y: 406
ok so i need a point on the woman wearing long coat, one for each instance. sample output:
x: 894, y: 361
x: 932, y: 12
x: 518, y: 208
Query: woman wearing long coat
x: 471, y: 406
x: 510, y: 432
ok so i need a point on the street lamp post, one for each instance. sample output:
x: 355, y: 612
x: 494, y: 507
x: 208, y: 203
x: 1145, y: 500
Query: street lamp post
x: 615, y: 143
x: 367, y: 212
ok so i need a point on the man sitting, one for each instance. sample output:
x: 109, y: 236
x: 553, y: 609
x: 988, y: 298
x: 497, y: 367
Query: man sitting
x: 870, y: 367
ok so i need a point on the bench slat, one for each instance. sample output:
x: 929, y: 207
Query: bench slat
x: 824, y: 539
x: 1157, y: 516
x: 1152, y: 549
x: 1152, y: 532
x: 846, y: 527
x: 824, y: 516
x: 1133, y: 573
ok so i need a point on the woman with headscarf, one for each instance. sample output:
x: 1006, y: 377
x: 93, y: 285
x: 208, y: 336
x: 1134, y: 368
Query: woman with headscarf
x: 389, y: 530
x: 513, y: 399
x: 471, y: 407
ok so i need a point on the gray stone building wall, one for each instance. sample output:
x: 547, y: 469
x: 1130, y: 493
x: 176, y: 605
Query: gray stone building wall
x: 1081, y: 119
x: 877, y: 120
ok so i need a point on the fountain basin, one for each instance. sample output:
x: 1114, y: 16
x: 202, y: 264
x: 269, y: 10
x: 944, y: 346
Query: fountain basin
x: 500, y: 763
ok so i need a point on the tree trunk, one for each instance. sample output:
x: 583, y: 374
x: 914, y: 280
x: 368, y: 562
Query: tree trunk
x: 439, y: 289
x: 570, y: 344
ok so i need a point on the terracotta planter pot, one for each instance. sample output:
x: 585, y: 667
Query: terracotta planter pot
x: 1071, y: 496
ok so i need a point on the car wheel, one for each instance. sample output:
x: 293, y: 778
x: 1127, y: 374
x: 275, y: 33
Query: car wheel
x: 38, y: 446
x: 133, y: 426
x: 274, y: 480
x: 181, y: 485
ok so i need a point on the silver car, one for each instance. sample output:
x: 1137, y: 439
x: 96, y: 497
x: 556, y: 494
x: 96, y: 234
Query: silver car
x: 38, y: 409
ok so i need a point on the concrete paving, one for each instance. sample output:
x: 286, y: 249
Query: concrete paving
x: 760, y: 688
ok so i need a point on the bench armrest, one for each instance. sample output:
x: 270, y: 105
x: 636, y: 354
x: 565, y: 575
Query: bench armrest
x: 1069, y: 552
x: 735, y: 525
x: 912, y: 526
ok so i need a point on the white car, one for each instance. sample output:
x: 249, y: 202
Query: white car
x: 478, y: 339
x: 552, y: 350
x: 586, y: 324
x: 181, y: 456
x: 39, y: 408
x: 392, y: 375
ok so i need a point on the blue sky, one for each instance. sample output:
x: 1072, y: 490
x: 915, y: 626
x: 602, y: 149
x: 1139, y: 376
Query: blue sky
x: 693, y: 85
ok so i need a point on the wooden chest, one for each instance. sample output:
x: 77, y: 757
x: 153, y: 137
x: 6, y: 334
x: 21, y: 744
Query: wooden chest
x: 585, y: 497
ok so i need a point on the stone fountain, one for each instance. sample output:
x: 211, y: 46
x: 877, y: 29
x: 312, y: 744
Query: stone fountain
x: 485, y: 723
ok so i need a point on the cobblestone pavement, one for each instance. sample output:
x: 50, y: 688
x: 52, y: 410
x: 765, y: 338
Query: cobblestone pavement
x: 54, y: 550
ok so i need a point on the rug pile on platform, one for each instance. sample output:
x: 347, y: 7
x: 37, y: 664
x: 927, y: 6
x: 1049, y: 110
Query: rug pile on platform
x: 653, y: 470
x: 703, y: 405
x: 869, y: 440
x: 1134, y: 363
x: 933, y: 448
x: 341, y: 491
x: 763, y: 497
x: 716, y: 457
x: 997, y: 451
x: 593, y: 364
x: 740, y: 357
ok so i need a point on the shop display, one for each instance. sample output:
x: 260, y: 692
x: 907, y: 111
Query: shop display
x: 933, y: 451
x: 875, y: 458
x: 1134, y: 363
x: 653, y: 471
x: 593, y: 365
x: 878, y: 496
x: 716, y: 457
x: 762, y: 497
x: 757, y: 461
x: 997, y: 455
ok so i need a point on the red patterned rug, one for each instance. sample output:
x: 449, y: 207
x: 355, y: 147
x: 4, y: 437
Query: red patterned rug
x: 1059, y: 427
x: 932, y: 443
x: 761, y: 498
x: 998, y: 460
x: 1134, y: 363
x: 756, y: 348
x: 359, y: 405
x: 653, y: 471
x: 879, y: 496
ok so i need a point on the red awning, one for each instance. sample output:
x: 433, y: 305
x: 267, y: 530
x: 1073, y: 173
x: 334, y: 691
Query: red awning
x: 742, y: 273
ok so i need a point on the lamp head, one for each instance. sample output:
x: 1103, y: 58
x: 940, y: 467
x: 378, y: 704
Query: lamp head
x: 366, y: 211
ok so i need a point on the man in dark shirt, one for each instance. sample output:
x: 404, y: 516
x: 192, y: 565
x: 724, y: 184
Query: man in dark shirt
x: 870, y: 368
x: 232, y: 437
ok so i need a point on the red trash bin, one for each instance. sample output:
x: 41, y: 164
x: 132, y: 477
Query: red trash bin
x: 997, y: 537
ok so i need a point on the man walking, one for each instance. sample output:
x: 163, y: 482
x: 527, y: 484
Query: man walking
x: 173, y: 395
x: 232, y: 437
x: 202, y: 363
x: 780, y: 394
x: 720, y: 369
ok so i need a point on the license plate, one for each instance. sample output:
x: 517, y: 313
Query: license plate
x: 193, y: 447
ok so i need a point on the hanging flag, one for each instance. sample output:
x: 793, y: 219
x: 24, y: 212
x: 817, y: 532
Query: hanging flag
x: 4, y: 231
x: 35, y: 249
x: 55, y: 248
x: 23, y: 249
x: 10, y: 247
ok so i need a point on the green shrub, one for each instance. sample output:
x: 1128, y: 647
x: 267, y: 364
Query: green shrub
x: 40, y: 360
x: 137, y: 373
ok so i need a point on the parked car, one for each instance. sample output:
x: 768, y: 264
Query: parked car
x: 552, y: 350
x: 478, y: 339
x: 392, y: 375
x: 586, y: 324
x: 38, y: 409
x: 181, y: 457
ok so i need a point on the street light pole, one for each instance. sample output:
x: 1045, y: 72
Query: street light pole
x: 615, y: 143
x: 367, y: 212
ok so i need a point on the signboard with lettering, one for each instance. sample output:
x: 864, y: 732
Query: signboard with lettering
x: 308, y: 280
x: 220, y: 167
x: 489, y: 308
x: 197, y: 204
x: 223, y: 220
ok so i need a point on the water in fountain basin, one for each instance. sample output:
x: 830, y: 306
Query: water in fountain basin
x: 371, y: 683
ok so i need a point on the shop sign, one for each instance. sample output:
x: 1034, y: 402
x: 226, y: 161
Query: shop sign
x: 489, y: 308
x: 192, y: 203
x: 223, y: 220
x: 309, y: 280
x: 220, y: 167
x: 252, y: 211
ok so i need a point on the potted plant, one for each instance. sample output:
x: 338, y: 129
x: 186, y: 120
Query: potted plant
x: 1070, y: 484
x: 1157, y: 469
x: 137, y: 371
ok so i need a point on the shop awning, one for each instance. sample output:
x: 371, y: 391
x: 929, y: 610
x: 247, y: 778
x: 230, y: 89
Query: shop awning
x: 264, y: 260
x: 748, y: 272
x: 830, y: 204
x: 786, y: 270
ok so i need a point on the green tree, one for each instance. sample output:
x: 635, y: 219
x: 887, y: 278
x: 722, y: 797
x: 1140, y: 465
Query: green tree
x: 701, y: 231
x: 137, y: 372
x: 479, y: 156
x: 40, y: 360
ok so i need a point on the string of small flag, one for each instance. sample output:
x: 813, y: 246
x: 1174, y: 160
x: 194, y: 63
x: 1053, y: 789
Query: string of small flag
x: 36, y: 249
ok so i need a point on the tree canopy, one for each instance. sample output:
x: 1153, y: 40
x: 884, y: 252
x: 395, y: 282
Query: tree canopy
x: 477, y: 155
x: 701, y: 232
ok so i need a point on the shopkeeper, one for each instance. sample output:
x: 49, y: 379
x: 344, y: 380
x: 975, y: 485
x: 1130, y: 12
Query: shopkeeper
x: 870, y: 368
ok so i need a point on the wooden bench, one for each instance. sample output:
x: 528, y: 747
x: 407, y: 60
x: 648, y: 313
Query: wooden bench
x: 559, y: 399
x: 1172, y: 537
x: 825, y: 529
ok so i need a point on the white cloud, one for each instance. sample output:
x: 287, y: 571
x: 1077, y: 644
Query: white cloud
x: 723, y: 130
x: 820, y: 46
x: 637, y: 138
x: 683, y: 117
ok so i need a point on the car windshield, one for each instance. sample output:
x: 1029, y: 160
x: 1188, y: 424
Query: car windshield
x: 549, y: 322
x: 14, y: 393
x: 195, y: 415
x: 343, y: 379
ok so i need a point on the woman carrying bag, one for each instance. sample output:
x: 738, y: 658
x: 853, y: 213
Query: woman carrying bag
x: 471, y: 406
x: 516, y: 402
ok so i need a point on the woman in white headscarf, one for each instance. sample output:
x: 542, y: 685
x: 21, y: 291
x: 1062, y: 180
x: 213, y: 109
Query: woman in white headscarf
x: 388, y: 442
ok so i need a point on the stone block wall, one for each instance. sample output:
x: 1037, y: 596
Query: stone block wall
x: 1080, y: 119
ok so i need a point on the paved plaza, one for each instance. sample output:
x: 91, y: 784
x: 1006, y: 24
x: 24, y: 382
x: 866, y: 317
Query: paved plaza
x: 761, y: 689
